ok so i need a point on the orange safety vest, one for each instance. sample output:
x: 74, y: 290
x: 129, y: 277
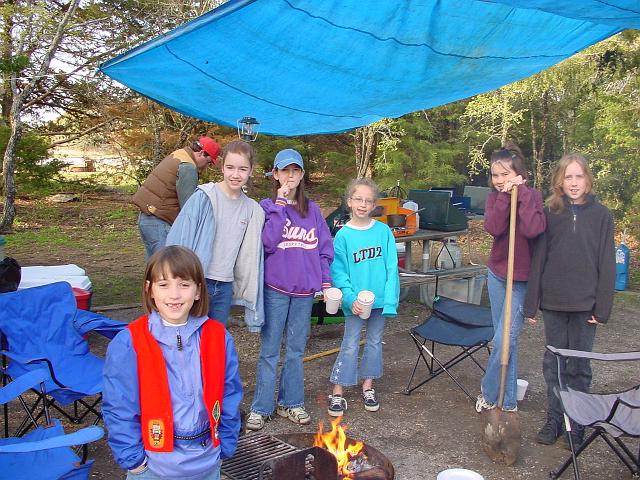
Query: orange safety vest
x: 156, y: 411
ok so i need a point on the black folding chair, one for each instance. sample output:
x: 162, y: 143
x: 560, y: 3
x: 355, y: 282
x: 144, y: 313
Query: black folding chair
x: 453, y: 323
x: 612, y: 415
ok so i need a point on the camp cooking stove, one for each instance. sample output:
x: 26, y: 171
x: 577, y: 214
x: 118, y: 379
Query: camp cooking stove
x: 402, y: 231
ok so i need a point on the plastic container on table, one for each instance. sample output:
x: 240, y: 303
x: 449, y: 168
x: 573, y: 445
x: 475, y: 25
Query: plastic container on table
x: 83, y: 298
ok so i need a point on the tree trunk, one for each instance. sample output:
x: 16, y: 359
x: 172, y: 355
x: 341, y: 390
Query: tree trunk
x: 8, y: 164
x: 366, y: 150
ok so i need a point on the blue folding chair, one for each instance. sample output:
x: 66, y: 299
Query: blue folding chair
x: 43, y: 327
x: 453, y: 323
x: 43, y: 453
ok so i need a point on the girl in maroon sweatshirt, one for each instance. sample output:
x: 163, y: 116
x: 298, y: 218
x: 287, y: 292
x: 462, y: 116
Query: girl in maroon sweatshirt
x: 507, y: 170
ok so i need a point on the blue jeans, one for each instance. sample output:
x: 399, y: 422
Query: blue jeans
x: 153, y: 232
x: 491, y: 380
x: 149, y: 475
x: 220, y: 294
x: 294, y: 313
x: 346, y: 371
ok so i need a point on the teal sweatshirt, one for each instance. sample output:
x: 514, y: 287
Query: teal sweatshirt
x: 367, y: 259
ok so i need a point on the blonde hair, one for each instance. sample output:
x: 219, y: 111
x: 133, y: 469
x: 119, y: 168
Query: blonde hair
x: 240, y: 147
x: 175, y: 261
x: 361, y: 182
x: 556, y: 199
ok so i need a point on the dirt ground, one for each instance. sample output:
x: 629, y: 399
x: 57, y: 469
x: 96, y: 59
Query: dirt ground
x: 435, y: 427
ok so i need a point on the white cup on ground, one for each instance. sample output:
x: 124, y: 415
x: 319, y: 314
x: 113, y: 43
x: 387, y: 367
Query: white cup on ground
x: 521, y: 389
x: 459, y: 474
x: 366, y: 298
x: 333, y: 299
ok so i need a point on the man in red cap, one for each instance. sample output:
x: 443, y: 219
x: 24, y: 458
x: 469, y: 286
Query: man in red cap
x: 168, y: 187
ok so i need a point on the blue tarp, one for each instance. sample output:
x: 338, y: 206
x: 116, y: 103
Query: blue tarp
x: 320, y: 66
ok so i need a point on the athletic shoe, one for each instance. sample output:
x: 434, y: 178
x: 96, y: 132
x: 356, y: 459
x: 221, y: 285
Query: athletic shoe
x: 482, y: 404
x: 295, y: 414
x: 255, y: 421
x: 550, y: 432
x: 371, y: 403
x: 337, y: 405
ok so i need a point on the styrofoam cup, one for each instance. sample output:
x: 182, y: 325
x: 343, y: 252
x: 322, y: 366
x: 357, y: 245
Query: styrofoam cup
x: 522, y: 389
x: 333, y: 299
x: 366, y: 298
x: 459, y: 474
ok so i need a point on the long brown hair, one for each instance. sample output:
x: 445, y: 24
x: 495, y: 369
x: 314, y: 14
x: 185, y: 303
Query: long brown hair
x: 175, y: 261
x: 302, y: 202
x: 241, y: 147
x: 556, y: 199
x: 509, y: 157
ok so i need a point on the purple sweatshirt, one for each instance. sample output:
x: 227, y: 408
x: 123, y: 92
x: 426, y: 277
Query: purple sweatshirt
x: 530, y: 223
x: 298, y: 251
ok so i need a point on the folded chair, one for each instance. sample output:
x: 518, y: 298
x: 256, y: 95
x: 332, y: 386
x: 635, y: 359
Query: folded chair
x: 453, y: 323
x: 43, y: 453
x: 43, y: 328
x: 613, y: 416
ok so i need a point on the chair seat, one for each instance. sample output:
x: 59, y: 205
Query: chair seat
x: 441, y: 330
x: 593, y: 410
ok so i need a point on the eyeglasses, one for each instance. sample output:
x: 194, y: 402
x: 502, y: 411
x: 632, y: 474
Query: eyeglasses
x: 202, y: 150
x: 366, y: 201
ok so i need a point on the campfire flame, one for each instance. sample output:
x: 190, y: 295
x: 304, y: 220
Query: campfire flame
x: 335, y: 441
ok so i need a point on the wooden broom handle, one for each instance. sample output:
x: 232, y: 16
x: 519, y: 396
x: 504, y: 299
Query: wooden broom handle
x: 506, y: 321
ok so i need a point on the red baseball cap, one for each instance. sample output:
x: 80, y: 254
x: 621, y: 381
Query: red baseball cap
x: 211, y: 147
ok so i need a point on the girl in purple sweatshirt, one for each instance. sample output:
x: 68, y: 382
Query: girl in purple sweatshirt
x: 508, y: 169
x: 298, y: 252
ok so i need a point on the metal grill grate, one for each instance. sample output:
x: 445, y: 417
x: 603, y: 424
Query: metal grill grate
x: 254, y: 450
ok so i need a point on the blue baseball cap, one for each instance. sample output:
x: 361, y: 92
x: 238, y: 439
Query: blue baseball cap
x: 288, y: 157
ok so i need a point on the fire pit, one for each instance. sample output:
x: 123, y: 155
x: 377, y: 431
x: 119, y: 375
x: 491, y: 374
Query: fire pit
x: 263, y: 457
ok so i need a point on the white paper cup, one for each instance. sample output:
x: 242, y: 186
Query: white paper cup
x: 522, y: 389
x: 333, y: 299
x: 459, y: 474
x: 366, y: 298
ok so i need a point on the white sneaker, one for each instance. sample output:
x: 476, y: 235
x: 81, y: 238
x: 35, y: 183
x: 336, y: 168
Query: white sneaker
x: 482, y: 404
x: 296, y: 414
x: 255, y: 421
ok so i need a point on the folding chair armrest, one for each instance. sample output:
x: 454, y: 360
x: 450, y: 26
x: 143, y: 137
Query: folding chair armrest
x: 85, y: 322
x: 607, y: 357
x: 27, y: 360
x: 81, y: 437
x: 627, y: 403
x: 22, y: 384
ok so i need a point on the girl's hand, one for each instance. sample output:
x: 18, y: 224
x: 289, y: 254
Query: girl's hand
x: 356, y: 308
x: 532, y: 321
x: 283, y: 191
x: 518, y: 180
x: 593, y: 320
x: 324, y: 295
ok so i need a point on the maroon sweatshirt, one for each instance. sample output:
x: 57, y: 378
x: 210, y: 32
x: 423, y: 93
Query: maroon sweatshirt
x: 530, y: 223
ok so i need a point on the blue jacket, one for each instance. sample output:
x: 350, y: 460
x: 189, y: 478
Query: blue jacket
x: 367, y: 259
x: 121, y: 403
x: 195, y: 228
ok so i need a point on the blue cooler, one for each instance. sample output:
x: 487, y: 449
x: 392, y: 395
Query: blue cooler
x: 622, y: 267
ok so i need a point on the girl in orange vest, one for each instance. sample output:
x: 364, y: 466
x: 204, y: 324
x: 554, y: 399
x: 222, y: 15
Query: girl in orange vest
x: 172, y: 388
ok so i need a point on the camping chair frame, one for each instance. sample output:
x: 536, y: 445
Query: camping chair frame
x: 607, y: 427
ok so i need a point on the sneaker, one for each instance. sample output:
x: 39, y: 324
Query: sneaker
x: 255, y: 421
x: 371, y: 403
x: 295, y: 414
x: 337, y: 405
x: 510, y: 409
x: 482, y: 404
x: 550, y: 432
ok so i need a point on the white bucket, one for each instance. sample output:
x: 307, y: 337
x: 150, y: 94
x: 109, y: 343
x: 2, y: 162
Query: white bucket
x: 522, y: 389
x: 333, y: 299
x: 459, y: 474
x: 366, y: 298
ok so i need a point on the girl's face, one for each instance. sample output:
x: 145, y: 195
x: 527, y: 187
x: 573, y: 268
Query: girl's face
x: 500, y: 174
x: 361, y: 202
x: 174, y: 298
x: 291, y: 176
x: 574, y: 184
x: 236, y: 171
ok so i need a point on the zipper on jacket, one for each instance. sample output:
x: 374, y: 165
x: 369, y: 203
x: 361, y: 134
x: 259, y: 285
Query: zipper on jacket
x: 573, y: 210
x: 179, y: 341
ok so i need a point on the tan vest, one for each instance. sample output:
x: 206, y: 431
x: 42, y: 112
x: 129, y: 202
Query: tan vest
x: 157, y: 195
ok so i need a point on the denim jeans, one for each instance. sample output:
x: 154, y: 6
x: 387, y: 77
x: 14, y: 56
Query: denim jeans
x: 293, y: 313
x: 491, y: 380
x: 153, y: 232
x: 566, y: 330
x: 346, y: 371
x: 149, y: 475
x: 220, y: 294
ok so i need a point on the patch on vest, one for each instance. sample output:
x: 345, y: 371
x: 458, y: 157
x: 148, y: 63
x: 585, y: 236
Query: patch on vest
x: 156, y: 433
x: 215, y: 413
